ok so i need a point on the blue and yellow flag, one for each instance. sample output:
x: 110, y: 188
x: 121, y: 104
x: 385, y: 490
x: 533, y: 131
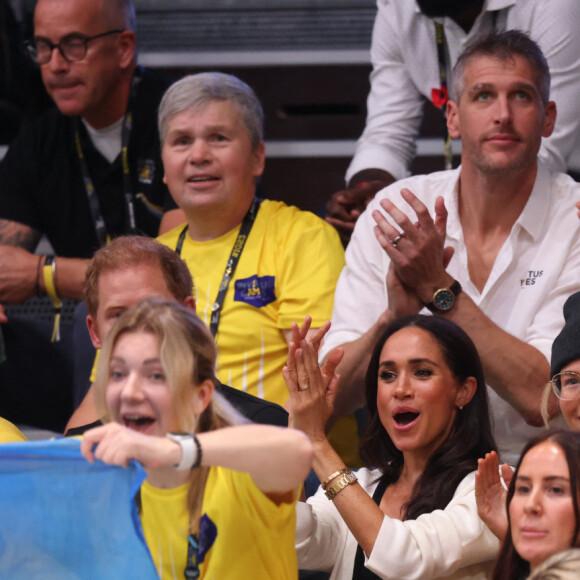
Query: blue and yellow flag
x: 63, y: 517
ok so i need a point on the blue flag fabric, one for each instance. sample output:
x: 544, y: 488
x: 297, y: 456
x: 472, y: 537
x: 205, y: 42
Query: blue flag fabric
x: 64, y: 518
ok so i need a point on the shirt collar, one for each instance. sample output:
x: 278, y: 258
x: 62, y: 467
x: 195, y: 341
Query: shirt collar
x: 532, y: 217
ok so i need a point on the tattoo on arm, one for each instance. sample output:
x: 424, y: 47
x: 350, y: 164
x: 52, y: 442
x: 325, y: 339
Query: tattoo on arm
x: 18, y: 235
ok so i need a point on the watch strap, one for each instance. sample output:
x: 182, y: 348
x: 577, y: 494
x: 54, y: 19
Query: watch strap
x: 455, y: 289
x: 190, y: 456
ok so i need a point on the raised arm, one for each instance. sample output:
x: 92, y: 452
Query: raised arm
x: 312, y: 391
x: 491, y: 493
x: 277, y: 458
x: 516, y: 370
x: 432, y: 546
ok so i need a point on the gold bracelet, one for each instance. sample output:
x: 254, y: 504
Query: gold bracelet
x: 347, y: 479
x: 335, y: 474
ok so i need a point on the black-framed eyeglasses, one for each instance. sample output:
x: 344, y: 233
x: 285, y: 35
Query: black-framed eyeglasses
x: 73, y: 47
x: 566, y: 385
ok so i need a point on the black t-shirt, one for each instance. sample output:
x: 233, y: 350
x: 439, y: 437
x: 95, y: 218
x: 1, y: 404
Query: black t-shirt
x: 41, y: 183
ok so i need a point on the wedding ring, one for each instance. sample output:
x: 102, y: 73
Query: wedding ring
x: 397, y: 240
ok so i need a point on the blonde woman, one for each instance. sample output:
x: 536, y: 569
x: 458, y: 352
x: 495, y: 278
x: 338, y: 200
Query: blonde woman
x: 219, y: 497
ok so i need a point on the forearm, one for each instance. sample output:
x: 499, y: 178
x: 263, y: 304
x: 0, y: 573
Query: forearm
x: 278, y: 459
x: 517, y: 371
x: 367, y: 175
x: 353, y: 368
x: 69, y: 277
x: 18, y: 235
x: 362, y: 516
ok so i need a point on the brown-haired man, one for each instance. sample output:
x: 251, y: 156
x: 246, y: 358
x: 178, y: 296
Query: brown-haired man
x: 122, y: 274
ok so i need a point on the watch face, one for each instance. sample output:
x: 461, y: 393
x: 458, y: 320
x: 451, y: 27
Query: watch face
x: 444, y: 299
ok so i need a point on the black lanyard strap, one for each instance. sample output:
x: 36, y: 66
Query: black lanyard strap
x: 94, y: 205
x: 441, y: 102
x: 441, y: 96
x: 232, y: 264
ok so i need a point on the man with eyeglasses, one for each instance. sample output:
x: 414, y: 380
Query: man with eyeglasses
x: 90, y: 169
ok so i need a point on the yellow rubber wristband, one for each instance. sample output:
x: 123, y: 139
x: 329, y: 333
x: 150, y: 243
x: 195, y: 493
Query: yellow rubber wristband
x: 49, y: 275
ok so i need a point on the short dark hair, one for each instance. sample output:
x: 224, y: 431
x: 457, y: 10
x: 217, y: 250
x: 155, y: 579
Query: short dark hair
x: 128, y: 251
x: 509, y: 563
x: 470, y: 437
x: 504, y: 46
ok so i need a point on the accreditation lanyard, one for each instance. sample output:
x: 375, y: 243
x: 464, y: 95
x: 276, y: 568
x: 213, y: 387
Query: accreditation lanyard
x: 232, y: 264
x: 440, y: 96
x: 94, y: 206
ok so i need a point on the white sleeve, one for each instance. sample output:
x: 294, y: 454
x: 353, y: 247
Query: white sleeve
x: 553, y: 27
x: 320, y: 534
x: 361, y: 292
x: 394, y: 105
x: 435, y: 544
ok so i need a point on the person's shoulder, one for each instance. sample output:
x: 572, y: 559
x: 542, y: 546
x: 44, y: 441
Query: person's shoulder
x: 281, y: 217
x: 525, y: 12
x: 559, y: 191
x: 466, y: 486
x: 9, y: 433
x: 170, y: 238
x: 253, y: 408
x: 48, y: 126
x: 565, y: 185
x: 426, y: 184
x: 150, y: 90
x: 152, y: 81
x: 402, y: 13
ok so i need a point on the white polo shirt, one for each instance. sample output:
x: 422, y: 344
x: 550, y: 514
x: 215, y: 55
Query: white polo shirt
x: 537, y: 268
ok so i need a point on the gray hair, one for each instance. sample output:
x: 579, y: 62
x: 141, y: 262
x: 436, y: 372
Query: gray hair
x: 119, y: 14
x: 195, y: 91
x: 504, y: 46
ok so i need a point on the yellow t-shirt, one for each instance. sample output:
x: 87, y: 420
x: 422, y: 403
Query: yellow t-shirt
x: 243, y: 533
x: 9, y: 433
x: 288, y: 269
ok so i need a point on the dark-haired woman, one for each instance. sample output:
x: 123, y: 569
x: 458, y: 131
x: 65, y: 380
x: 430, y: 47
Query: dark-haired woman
x: 542, y: 505
x: 413, y: 515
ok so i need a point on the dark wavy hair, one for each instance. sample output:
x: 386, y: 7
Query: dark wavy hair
x: 509, y: 563
x: 469, y: 439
